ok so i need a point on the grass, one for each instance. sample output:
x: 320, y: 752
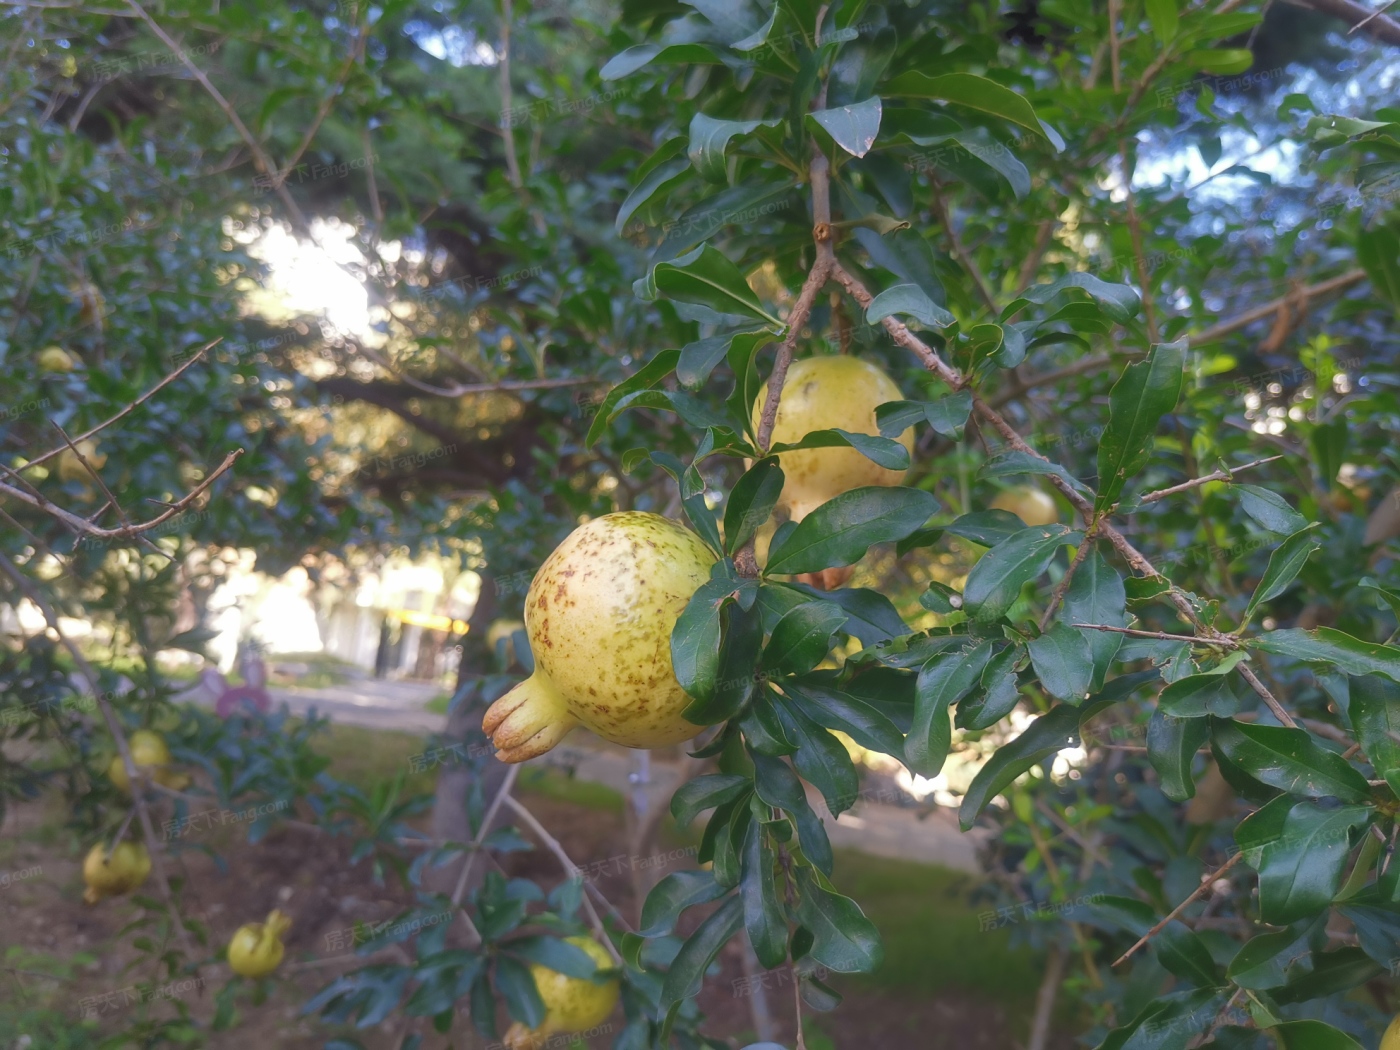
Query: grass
x: 438, y: 704
x: 930, y: 927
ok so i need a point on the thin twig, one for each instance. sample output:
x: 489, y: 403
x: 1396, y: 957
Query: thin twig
x: 1086, y: 545
x: 260, y: 158
x: 323, y: 108
x: 114, y: 727
x: 570, y: 869
x: 1269, y: 699
x: 129, y: 408
x: 1224, y: 474
x: 1194, y: 639
x: 960, y: 251
x: 503, y: 67
x: 1205, y: 885
x: 506, y: 785
x: 1234, y: 324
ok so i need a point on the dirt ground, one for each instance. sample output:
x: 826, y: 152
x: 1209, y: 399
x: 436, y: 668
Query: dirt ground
x: 45, y: 928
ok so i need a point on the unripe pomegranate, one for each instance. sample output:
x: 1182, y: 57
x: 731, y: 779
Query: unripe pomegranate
x: 115, y: 873
x: 599, y: 615
x: 256, y: 948
x: 1030, y: 504
x: 148, y: 749
x: 1391, y: 1039
x: 821, y: 393
x: 572, y: 1004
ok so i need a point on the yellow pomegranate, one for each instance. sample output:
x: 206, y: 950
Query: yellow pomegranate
x: 70, y: 467
x: 110, y: 875
x: 572, y: 1004
x: 1391, y: 1039
x: 148, y: 749
x: 56, y: 359
x: 256, y: 947
x: 821, y: 393
x: 599, y: 615
x: 1030, y: 504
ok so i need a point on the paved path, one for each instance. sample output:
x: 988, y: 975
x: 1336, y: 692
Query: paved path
x: 870, y: 827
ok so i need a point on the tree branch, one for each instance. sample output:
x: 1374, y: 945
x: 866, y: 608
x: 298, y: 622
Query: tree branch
x: 1382, y: 27
x: 1205, y: 885
x: 1224, y: 474
x: 1234, y: 324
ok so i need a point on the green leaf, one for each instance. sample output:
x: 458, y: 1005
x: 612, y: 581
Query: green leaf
x: 1118, y: 302
x: 843, y: 939
x: 1327, y: 645
x: 1097, y: 595
x: 698, y: 359
x: 687, y: 972
x: 1312, y: 1035
x: 1378, y: 252
x: 554, y: 953
x: 709, y: 138
x: 947, y: 415
x: 999, y: 692
x: 1375, y: 712
x: 942, y: 682
x: 672, y: 895
x: 694, y: 797
x: 870, y: 616
x: 1044, y: 738
x: 1186, y: 955
x: 751, y: 502
x: 1147, y: 391
x: 1270, y: 510
x: 1301, y: 870
x: 1063, y: 663
x: 1015, y: 463
x: 763, y: 913
x: 635, y: 58
x: 821, y: 759
x: 1289, y: 760
x: 986, y: 527
x: 1263, y: 961
x: 777, y: 785
x: 517, y: 988
x: 840, y: 531
x: 1172, y: 744
x: 838, y: 710
x: 911, y: 301
x: 647, y: 188
x: 1169, y: 1022
x: 695, y: 639
x: 853, y: 128
x: 802, y: 638
x: 1198, y: 695
x: 763, y: 731
x: 1377, y: 930
x: 1225, y: 61
x: 653, y: 372
x: 1332, y: 973
x: 967, y: 89
x: 883, y: 451
x: 1284, y: 565
x: 737, y: 671
x: 707, y: 277
x: 1163, y: 16
x: 995, y: 582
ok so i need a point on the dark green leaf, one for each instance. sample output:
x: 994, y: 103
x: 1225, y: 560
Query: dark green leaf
x: 1327, y: 645
x: 707, y: 277
x: 967, y: 89
x: 1117, y: 301
x: 986, y: 527
x: 1063, y: 663
x: 820, y: 758
x: 1332, y: 973
x: 672, y: 895
x: 943, y: 682
x: 695, y: 639
x: 694, y: 797
x: 1172, y: 744
x: 886, y: 452
x: 1044, y: 738
x: 802, y: 638
x: 1270, y: 510
x: 1375, y: 712
x: 1198, y: 695
x: 634, y: 58
x: 653, y: 372
x: 1185, y: 954
x: 687, y: 970
x: 999, y: 692
x: 1097, y: 595
x: 1284, y: 565
x: 555, y: 954
x: 763, y: 913
x: 840, y: 531
x: 853, y: 128
x: 843, y: 939
x: 834, y: 709
x: 1014, y: 463
x: 1263, y: 961
x: 870, y: 616
x: 777, y: 785
x: 909, y: 300
x: 1146, y: 392
x: 517, y: 988
x: 995, y: 582
x: 1169, y: 1022
x: 751, y: 502
x: 709, y: 138
x: 1301, y: 870
x: 1312, y: 1035
x: 1289, y: 760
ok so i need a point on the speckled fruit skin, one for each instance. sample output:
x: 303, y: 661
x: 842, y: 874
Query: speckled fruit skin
x: 256, y: 948
x: 111, y: 876
x: 572, y: 1004
x: 821, y: 393
x: 1030, y: 504
x: 599, y: 615
x: 1391, y: 1039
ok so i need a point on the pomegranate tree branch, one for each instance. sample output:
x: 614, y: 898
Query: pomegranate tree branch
x: 127, y: 410
x: 1224, y: 474
x: 1205, y: 885
x: 1270, y: 701
x: 1164, y: 636
x: 570, y: 869
x: 133, y: 773
x: 1085, y: 546
x: 1234, y: 324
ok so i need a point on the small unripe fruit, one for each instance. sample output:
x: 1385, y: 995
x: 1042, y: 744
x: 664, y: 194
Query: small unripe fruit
x: 1029, y: 504
x: 572, y: 1004
x: 599, y: 615
x: 56, y: 359
x: 822, y: 393
x: 256, y: 948
x: 110, y: 875
x: 1391, y: 1039
x: 148, y: 749
x: 70, y: 467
